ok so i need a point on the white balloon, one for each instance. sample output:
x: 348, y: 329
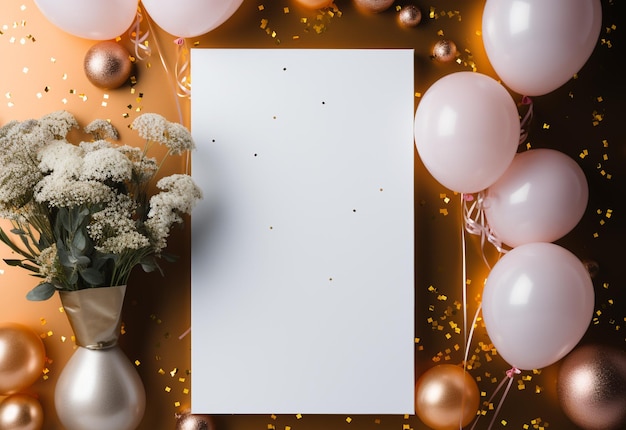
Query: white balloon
x: 537, y: 304
x: 467, y: 131
x: 93, y: 19
x: 540, y: 198
x: 536, y: 46
x: 190, y: 18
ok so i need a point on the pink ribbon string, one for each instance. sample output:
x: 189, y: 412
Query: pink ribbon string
x: 138, y: 39
x: 181, y: 72
x: 510, y: 376
x: 525, y: 123
x: 476, y: 223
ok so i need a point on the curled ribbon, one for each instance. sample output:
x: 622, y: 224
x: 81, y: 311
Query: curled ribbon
x: 138, y: 39
x: 182, y: 69
x: 476, y: 224
x: 525, y: 123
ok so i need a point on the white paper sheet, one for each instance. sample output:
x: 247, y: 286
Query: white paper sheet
x: 303, y: 247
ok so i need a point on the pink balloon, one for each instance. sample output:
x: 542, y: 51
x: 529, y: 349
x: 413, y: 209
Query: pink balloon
x: 190, y: 18
x: 536, y: 46
x: 540, y: 198
x: 93, y: 19
x: 467, y: 130
x: 537, y: 304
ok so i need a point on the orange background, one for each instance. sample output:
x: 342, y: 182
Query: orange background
x: 42, y: 71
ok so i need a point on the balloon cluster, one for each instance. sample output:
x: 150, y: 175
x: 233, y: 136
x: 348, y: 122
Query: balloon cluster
x: 538, y: 299
x: 22, y: 357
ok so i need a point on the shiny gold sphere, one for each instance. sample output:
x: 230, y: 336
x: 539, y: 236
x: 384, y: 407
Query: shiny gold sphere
x: 21, y: 412
x: 591, y: 387
x: 444, y: 51
x: 445, y: 396
x: 409, y: 16
x: 373, y: 6
x: 315, y: 4
x: 107, y: 65
x: 188, y: 421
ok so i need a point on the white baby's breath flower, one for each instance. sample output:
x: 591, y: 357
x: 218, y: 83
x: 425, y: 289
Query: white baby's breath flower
x: 129, y: 241
x: 179, y: 139
x: 47, y: 263
x: 144, y: 167
x: 179, y: 196
x: 95, y: 145
x: 106, y: 164
x: 61, y: 157
x: 151, y: 126
x: 61, y: 191
x: 59, y: 123
x: 101, y: 129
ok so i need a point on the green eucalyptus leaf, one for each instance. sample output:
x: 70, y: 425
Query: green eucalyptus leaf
x: 92, y: 276
x: 79, y: 241
x: 41, y: 292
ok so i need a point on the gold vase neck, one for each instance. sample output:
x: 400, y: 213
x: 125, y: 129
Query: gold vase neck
x: 95, y: 315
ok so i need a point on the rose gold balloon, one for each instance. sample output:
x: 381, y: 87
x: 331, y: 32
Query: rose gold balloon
x: 188, y: 421
x: 446, y: 396
x: 591, y: 387
x: 374, y: 6
x: 315, y: 4
x: 22, y: 357
x: 107, y: 65
x: 21, y: 412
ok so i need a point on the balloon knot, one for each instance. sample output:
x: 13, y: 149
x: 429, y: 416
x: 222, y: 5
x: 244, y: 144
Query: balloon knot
x: 512, y: 372
x: 468, y: 197
x: 180, y: 41
x: 526, y: 100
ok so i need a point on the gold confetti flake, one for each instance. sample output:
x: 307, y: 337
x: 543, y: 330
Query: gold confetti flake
x: 168, y: 389
x: 348, y: 420
x: 137, y: 363
x: 261, y: 7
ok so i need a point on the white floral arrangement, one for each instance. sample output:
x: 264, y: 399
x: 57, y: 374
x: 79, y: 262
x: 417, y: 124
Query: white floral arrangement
x: 81, y: 214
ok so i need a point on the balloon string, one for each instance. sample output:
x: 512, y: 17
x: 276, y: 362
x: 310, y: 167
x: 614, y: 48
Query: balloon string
x: 476, y: 224
x: 508, y: 380
x: 464, y: 292
x: 525, y: 123
x: 165, y: 68
x: 182, y: 69
x: 138, y: 39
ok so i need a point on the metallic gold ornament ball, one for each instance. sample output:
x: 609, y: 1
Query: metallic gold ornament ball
x: 187, y: 421
x: 409, y: 16
x: 373, y: 6
x: 107, y: 65
x: 591, y: 387
x: 21, y: 412
x: 444, y: 51
x: 445, y: 396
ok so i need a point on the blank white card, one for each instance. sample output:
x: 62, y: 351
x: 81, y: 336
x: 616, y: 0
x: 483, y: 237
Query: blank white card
x: 303, y: 246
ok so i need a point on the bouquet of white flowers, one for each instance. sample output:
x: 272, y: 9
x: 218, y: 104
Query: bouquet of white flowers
x: 81, y: 215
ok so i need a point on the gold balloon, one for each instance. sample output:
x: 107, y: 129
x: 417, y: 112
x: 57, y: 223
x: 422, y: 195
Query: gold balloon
x: 22, y: 357
x: 446, y: 396
x: 591, y: 387
x: 315, y: 4
x: 188, y: 421
x: 107, y: 65
x: 21, y: 412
